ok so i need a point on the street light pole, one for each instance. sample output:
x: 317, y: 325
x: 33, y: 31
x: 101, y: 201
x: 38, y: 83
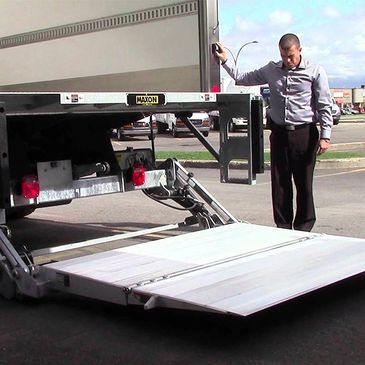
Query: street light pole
x: 235, y: 59
x: 244, y: 45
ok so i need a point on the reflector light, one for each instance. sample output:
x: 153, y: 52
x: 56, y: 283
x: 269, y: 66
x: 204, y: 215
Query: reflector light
x: 30, y: 186
x: 215, y: 89
x: 138, y: 175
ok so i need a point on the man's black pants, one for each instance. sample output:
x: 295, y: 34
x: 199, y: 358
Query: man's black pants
x: 293, y: 156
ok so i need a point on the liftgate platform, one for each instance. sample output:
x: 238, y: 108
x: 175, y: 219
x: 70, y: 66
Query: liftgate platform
x: 238, y: 269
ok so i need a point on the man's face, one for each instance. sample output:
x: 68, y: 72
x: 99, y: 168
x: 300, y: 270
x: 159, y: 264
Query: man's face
x: 291, y: 56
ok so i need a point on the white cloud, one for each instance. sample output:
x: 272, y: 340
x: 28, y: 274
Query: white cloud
x: 245, y: 25
x: 331, y: 37
x: 282, y: 18
x: 331, y: 12
x: 359, y: 42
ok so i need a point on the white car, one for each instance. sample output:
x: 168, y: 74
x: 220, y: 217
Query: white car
x: 237, y: 123
x: 137, y: 128
x: 176, y: 126
x: 336, y: 112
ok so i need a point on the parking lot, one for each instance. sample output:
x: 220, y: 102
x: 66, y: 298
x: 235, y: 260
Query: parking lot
x: 324, y: 327
x: 343, y: 133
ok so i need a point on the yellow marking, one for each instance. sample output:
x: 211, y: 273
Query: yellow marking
x: 147, y: 99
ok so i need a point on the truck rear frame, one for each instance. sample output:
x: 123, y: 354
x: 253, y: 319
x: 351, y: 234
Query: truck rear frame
x: 226, y: 266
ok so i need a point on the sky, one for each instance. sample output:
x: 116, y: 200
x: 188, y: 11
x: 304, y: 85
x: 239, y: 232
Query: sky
x: 332, y: 34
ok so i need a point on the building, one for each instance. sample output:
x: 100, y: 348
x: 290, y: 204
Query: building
x: 354, y: 98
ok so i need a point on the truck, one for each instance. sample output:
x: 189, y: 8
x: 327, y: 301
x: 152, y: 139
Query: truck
x: 56, y: 147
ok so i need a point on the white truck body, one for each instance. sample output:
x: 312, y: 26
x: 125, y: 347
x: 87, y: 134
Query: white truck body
x: 124, y: 45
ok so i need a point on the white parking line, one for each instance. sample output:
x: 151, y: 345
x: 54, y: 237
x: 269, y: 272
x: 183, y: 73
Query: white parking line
x: 341, y: 173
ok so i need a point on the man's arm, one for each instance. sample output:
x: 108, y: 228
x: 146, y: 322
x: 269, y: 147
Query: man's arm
x: 323, y: 103
x: 324, y: 145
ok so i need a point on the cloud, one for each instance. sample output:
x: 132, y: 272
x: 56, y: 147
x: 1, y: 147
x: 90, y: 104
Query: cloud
x: 331, y: 12
x: 246, y: 25
x: 282, y: 18
x: 359, y: 42
x: 332, y: 34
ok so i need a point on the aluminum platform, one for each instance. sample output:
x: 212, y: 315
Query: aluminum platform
x: 237, y: 268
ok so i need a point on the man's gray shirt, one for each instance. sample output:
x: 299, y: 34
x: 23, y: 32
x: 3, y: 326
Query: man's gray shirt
x: 297, y: 96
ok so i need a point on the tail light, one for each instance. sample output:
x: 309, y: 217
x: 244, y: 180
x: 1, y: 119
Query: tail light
x: 30, y: 187
x: 128, y: 126
x: 215, y: 89
x: 138, y: 175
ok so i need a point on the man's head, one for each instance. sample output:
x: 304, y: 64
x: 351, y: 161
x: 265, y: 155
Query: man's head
x: 289, y: 46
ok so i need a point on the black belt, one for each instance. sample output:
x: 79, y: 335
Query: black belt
x: 291, y: 127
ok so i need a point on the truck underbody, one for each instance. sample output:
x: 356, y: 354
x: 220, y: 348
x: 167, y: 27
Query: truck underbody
x: 56, y: 148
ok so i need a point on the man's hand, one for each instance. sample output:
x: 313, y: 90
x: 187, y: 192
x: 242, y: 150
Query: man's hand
x: 221, y: 53
x: 324, y: 145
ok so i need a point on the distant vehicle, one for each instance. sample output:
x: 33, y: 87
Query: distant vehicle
x: 214, y: 119
x: 349, y: 110
x: 237, y: 123
x: 336, y: 112
x: 137, y: 128
x: 234, y: 125
x: 176, y: 126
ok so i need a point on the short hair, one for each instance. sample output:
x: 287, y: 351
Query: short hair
x: 288, y: 40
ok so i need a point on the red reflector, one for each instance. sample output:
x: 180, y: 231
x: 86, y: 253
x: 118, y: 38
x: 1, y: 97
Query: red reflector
x: 215, y: 89
x: 138, y: 175
x: 30, y: 187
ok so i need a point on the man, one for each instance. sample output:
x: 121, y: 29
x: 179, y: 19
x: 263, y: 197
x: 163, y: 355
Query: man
x: 299, y: 98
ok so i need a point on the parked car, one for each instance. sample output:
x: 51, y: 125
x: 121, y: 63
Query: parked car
x: 176, y: 126
x: 138, y: 128
x: 234, y: 125
x: 214, y: 119
x: 237, y: 123
x: 336, y: 112
x: 349, y: 110
x: 354, y: 111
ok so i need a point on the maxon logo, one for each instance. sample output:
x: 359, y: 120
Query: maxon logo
x: 147, y: 99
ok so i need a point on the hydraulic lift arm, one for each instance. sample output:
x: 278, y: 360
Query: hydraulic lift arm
x: 185, y: 190
x: 14, y: 270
